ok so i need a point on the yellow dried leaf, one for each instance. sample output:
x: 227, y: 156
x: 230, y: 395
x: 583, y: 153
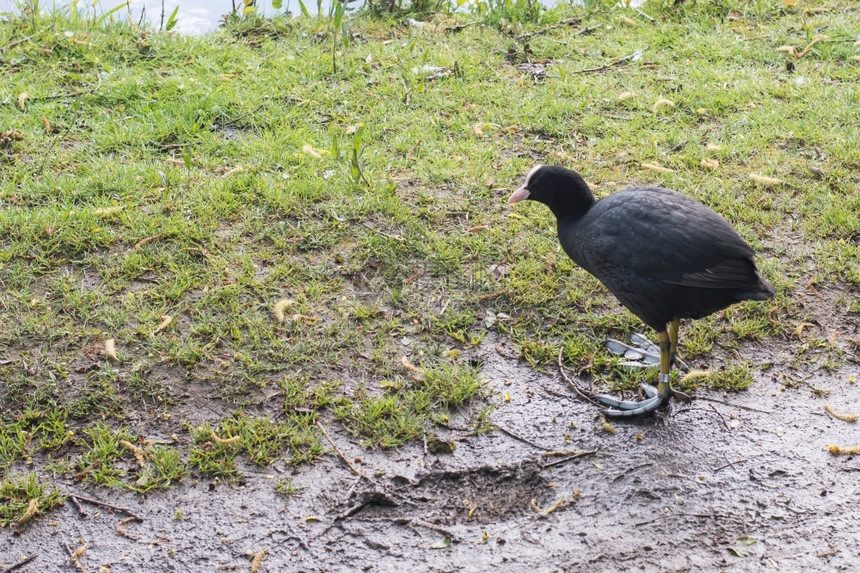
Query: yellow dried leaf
x: 108, y: 210
x: 654, y: 167
x: 22, y: 100
x: 662, y: 102
x: 713, y: 147
x: 223, y: 441
x: 843, y: 450
x: 764, y: 180
x: 165, y: 322
x: 110, y: 348
x: 625, y: 95
x: 308, y: 149
x: 507, y: 397
x: 800, y: 327
x: 478, y: 129
x: 234, y: 171
x: 844, y: 417
x: 710, y: 163
x: 30, y: 513
x: 280, y: 308
x: 607, y: 427
x: 47, y: 124
x: 135, y: 451
x: 257, y: 561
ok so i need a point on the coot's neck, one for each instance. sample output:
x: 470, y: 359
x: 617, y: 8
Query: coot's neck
x: 571, y: 200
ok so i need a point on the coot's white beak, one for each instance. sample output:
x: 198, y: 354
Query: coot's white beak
x: 518, y: 195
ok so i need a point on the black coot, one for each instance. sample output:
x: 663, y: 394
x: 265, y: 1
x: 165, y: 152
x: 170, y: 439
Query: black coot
x: 663, y: 255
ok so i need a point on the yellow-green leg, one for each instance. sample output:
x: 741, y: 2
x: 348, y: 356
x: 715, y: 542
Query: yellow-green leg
x: 656, y: 397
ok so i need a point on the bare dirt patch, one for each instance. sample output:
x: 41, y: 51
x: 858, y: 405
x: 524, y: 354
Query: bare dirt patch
x: 741, y: 482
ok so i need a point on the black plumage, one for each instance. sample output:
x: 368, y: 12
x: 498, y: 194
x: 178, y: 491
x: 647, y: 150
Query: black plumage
x: 663, y: 255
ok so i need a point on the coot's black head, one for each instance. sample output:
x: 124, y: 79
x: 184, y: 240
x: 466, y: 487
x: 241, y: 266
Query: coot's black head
x: 564, y: 191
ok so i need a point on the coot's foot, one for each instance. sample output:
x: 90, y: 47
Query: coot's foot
x: 640, y: 353
x: 656, y: 398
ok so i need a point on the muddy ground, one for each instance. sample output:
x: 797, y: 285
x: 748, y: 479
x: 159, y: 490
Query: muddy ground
x: 739, y: 482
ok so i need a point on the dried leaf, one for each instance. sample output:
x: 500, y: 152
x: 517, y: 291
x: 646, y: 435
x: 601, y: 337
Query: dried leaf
x: 30, y: 513
x: 136, y: 452
x: 710, y: 163
x: 843, y: 450
x: 662, y: 102
x: 22, y: 100
x: 223, y: 441
x: 478, y: 129
x: 625, y: 95
x: 110, y: 348
x: 308, y: 149
x: 257, y: 561
x: 764, y: 180
x: 444, y: 543
x: 800, y: 327
x: 713, y: 147
x: 108, y: 210
x: 654, y: 167
x: 844, y: 417
x: 280, y: 308
x: 47, y: 124
x: 165, y: 322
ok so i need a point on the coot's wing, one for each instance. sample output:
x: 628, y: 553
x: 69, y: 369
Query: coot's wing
x: 667, y: 237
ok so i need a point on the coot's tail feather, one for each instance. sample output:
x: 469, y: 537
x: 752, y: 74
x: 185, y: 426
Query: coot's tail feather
x: 765, y: 291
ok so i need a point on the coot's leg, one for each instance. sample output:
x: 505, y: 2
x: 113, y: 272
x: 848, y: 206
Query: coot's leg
x: 673, y: 353
x: 673, y: 345
x: 656, y: 397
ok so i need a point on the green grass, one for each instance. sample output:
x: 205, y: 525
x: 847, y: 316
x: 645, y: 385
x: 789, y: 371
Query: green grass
x: 206, y: 179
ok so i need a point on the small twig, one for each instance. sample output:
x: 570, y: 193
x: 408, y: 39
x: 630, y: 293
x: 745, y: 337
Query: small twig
x: 573, y: 384
x: 426, y: 525
x: 644, y: 15
x: 492, y: 294
x: 724, y: 466
x: 384, y: 234
x: 723, y: 418
x: 120, y: 531
x: 75, y: 556
x: 342, y: 457
x: 567, y: 459
x: 630, y: 470
x: 426, y: 453
x: 520, y: 438
x: 78, y: 506
x: 750, y: 408
x: 620, y: 60
x: 19, y: 564
x: 54, y: 144
x: 107, y: 505
x: 405, y: 92
x: 12, y: 45
x: 562, y: 24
